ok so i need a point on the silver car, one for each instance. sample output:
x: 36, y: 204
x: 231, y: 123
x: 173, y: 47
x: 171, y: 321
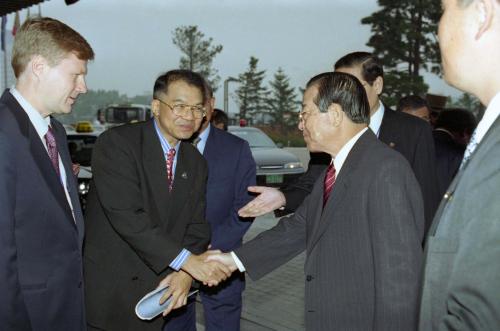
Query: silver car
x: 275, y: 166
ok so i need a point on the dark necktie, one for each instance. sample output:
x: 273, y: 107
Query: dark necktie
x: 329, y: 181
x: 196, y: 141
x: 52, y: 151
x: 170, y: 168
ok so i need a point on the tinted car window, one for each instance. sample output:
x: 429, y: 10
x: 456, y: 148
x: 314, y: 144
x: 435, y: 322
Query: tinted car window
x: 254, y: 138
x: 80, y: 148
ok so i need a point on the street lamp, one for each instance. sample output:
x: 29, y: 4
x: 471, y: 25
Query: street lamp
x: 226, y: 101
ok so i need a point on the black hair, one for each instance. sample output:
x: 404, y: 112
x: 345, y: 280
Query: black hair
x: 371, y: 68
x: 189, y: 77
x: 342, y: 89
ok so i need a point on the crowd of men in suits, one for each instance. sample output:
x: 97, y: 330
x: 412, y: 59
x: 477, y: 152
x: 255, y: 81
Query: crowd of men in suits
x: 170, y: 199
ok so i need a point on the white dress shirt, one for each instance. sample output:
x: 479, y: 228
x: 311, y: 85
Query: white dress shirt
x: 376, y: 119
x: 490, y: 115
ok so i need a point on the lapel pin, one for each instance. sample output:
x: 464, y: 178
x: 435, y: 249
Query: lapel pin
x: 184, y: 175
x: 448, y: 196
x: 392, y: 145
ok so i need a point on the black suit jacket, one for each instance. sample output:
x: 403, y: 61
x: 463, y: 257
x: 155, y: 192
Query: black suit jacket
x: 448, y: 158
x: 135, y: 226
x: 40, y: 241
x: 363, y: 249
x: 410, y: 136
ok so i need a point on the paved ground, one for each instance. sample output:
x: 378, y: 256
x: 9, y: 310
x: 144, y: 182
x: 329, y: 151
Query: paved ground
x: 274, y: 302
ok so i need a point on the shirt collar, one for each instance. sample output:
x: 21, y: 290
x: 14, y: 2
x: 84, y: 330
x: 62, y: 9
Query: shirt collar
x: 339, y: 159
x: 376, y: 119
x: 203, y: 139
x: 41, y: 124
x: 164, y: 143
x: 490, y: 115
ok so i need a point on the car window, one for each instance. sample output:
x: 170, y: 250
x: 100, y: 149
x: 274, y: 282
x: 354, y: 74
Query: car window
x: 80, y: 149
x: 255, y: 138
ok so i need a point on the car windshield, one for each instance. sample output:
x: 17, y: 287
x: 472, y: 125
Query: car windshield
x: 80, y: 148
x: 255, y: 138
x: 122, y: 114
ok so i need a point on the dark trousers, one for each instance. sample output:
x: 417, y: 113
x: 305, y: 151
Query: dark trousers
x: 222, y: 304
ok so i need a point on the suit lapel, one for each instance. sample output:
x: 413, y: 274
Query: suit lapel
x: 210, y: 146
x: 59, y: 134
x: 453, y: 186
x: 386, y: 127
x: 182, y: 180
x: 339, y: 189
x: 156, y: 169
x: 39, y: 153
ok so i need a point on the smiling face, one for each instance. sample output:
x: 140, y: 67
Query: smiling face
x: 174, y: 127
x: 61, y: 84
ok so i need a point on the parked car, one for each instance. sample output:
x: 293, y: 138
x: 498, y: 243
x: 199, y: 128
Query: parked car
x: 275, y: 166
x: 80, y: 145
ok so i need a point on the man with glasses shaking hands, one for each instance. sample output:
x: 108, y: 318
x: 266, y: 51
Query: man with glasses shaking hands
x: 145, y: 219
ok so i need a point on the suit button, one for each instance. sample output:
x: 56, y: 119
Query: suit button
x: 309, y: 278
x: 80, y: 284
x: 135, y: 278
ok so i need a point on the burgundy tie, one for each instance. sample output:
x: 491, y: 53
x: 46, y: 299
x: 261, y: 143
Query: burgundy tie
x: 52, y: 150
x: 170, y: 166
x: 329, y: 181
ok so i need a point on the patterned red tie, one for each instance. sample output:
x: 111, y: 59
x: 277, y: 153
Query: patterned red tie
x: 52, y: 150
x: 170, y: 166
x: 329, y: 181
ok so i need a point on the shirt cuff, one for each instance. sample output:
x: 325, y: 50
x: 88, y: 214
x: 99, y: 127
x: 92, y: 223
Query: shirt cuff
x: 178, y: 262
x: 238, y: 262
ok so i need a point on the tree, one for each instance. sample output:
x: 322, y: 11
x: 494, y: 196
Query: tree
x: 251, y: 94
x: 404, y: 39
x: 282, y: 100
x: 198, y: 51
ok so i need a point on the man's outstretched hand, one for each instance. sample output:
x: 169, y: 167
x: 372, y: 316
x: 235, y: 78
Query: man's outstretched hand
x: 269, y: 199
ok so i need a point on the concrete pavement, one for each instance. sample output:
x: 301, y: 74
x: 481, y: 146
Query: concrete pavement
x: 275, y: 302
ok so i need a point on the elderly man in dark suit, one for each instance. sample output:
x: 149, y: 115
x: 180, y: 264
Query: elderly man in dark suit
x: 361, y: 226
x: 41, y: 222
x: 145, y: 218
x: 461, y: 284
x: 404, y: 133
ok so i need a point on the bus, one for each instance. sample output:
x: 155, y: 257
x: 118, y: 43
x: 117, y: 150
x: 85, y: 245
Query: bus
x: 116, y: 114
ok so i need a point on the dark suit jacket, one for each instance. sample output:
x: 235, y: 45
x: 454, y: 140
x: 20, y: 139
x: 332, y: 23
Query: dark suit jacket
x: 410, y: 136
x: 461, y: 285
x: 231, y: 169
x: 363, y: 250
x: 135, y: 227
x: 448, y: 158
x: 40, y: 243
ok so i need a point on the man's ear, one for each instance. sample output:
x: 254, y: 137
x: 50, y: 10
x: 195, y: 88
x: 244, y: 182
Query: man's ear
x: 485, y: 11
x: 378, y: 85
x: 155, y: 107
x: 38, y: 65
x: 335, y: 114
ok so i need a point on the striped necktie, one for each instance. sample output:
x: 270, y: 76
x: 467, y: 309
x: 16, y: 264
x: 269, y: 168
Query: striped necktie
x: 329, y: 181
x: 52, y: 151
x: 170, y: 168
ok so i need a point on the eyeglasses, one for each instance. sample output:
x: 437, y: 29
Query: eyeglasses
x: 303, y: 115
x: 182, y: 110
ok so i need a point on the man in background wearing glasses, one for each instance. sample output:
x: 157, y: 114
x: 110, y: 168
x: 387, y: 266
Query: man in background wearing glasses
x: 145, y: 219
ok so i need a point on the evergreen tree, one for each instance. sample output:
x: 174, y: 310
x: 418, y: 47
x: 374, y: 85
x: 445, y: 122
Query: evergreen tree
x: 282, y: 100
x: 198, y: 51
x: 404, y: 38
x: 251, y: 94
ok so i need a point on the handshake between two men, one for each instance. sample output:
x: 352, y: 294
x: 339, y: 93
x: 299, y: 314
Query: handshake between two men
x: 210, y: 268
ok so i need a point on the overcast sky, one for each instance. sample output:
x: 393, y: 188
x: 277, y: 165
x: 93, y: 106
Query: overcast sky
x: 133, y: 39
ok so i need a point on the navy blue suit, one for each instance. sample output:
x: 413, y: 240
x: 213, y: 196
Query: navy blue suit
x: 231, y: 169
x: 40, y: 242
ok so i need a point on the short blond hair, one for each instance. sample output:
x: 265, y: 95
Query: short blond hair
x: 49, y: 38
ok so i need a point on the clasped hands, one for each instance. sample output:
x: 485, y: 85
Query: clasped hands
x: 210, y: 268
